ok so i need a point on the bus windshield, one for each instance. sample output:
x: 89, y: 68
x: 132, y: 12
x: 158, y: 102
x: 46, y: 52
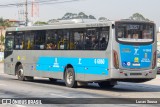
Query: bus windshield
x: 134, y: 32
x: 9, y: 43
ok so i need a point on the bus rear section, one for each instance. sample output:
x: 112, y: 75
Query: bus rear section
x: 134, y: 55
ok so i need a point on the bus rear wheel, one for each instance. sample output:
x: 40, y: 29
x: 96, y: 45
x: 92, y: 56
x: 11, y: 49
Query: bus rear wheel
x: 20, y: 73
x: 70, y: 78
x: 105, y: 84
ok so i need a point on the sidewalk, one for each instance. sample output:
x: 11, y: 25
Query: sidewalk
x: 1, y: 68
x: 155, y: 81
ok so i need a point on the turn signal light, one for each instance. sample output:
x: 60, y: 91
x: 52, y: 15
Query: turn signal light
x: 115, y: 58
x: 154, y: 60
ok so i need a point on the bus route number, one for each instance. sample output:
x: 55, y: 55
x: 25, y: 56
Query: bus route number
x: 99, y: 61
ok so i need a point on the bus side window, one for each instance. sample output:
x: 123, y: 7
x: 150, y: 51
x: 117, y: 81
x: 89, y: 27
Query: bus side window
x: 29, y: 44
x: 22, y: 45
x: 19, y: 40
x: 29, y: 40
x: 103, y: 42
x: 61, y: 45
x: 104, y: 38
x: 88, y: 43
x: 39, y: 40
x: 71, y: 42
x: 63, y: 39
x: 51, y: 40
x: 79, y: 40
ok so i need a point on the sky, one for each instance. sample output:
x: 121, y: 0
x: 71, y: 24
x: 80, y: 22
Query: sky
x: 111, y: 9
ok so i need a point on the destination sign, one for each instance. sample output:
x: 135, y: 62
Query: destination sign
x: 133, y: 26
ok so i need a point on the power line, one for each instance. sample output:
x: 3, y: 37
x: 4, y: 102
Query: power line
x: 23, y: 3
x: 69, y: 1
x: 41, y: 2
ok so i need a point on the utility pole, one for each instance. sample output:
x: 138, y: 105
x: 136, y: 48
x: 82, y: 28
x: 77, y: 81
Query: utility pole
x: 26, y: 13
x: 34, y: 11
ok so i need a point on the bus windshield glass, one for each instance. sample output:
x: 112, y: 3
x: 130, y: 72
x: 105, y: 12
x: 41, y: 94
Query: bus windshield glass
x: 134, y: 32
x: 9, y: 43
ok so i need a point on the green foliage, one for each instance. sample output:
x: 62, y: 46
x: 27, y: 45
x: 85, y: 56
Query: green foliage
x: 4, y: 23
x: 138, y: 17
x: 2, y: 39
x: 77, y: 16
x: 91, y: 17
x: 1, y: 22
x: 40, y: 23
x: 102, y: 18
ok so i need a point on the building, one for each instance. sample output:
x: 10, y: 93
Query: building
x: 12, y: 23
x: 2, y: 35
x: 158, y: 40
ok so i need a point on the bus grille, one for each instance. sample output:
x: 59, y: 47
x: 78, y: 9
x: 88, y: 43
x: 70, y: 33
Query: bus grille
x: 135, y: 74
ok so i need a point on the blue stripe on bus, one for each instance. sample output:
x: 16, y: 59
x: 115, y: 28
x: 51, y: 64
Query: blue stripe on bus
x: 96, y: 66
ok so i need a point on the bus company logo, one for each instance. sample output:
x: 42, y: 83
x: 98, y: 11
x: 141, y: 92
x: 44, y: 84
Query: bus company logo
x: 126, y: 50
x: 136, y: 59
x: 136, y: 51
x: 128, y: 63
x: 56, y: 64
x: 6, y: 101
x: 18, y: 58
x: 124, y: 63
x: 145, y: 55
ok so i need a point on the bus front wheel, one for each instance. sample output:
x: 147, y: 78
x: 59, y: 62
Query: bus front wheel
x: 20, y: 73
x: 70, y: 78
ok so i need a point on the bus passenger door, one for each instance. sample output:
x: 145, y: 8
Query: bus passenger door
x: 8, y: 54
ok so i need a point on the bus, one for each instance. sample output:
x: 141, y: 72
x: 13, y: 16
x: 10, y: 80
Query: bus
x: 101, y: 52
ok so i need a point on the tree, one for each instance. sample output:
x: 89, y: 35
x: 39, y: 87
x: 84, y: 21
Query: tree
x: 2, y: 39
x: 138, y: 17
x: 102, y: 18
x: 83, y: 15
x: 1, y: 21
x: 91, y: 17
x: 40, y: 23
x: 4, y: 23
x: 80, y: 15
x: 52, y: 21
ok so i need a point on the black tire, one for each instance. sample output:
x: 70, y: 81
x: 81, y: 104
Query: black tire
x: 70, y: 78
x: 20, y: 73
x: 52, y: 79
x: 105, y: 84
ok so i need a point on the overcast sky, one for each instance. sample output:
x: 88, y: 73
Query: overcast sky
x: 111, y: 9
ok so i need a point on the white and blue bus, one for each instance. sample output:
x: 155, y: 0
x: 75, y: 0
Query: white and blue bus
x: 101, y: 52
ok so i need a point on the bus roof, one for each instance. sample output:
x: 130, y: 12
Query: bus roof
x: 62, y: 26
x: 134, y: 21
x: 74, y: 25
